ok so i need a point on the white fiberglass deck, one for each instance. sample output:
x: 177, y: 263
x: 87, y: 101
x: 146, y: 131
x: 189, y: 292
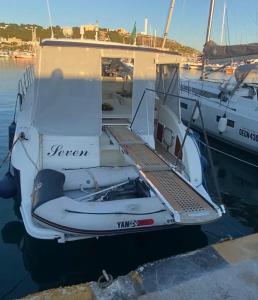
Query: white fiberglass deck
x: 186, y: 205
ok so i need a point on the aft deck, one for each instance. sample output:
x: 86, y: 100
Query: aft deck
x: 180, y: 198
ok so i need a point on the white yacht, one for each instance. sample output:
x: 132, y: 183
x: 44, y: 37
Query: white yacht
x: 230, y: 107
x: 96, y: 155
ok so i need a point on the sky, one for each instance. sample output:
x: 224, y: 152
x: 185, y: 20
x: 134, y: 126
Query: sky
x: 188, y: 24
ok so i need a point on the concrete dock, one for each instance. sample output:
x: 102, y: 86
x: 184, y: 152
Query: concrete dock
x: 228, y: 270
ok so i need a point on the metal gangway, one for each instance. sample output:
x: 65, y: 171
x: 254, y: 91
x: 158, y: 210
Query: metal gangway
x: 183, y: 201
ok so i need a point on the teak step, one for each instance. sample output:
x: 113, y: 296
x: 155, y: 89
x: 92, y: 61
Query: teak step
x: 123, y: 135
x: 183, y: 201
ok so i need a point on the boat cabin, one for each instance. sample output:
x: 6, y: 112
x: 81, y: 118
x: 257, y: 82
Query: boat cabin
x: 82, y: 86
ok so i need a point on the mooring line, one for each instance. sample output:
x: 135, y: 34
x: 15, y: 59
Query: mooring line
x: 229, y: 155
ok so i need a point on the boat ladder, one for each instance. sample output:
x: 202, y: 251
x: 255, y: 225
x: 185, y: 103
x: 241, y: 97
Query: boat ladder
x: 182, y: 200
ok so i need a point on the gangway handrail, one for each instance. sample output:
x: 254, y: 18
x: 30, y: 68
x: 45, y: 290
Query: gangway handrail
x: 197, y: 106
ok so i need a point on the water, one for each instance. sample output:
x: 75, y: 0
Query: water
x: 29, y: 265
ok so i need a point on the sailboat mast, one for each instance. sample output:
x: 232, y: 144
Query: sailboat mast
x: 208, y: 34
x: 171, y: 8
x: 223, y: 24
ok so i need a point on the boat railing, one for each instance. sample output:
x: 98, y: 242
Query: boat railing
x: 217, y: 198
x: 203, y: 95
x: 26, y: 80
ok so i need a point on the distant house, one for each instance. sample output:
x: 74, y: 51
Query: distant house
x: 2, y: 39
x: 4, y: 26
x: 89, y: 27
x: 122, y: 31
x: 14, y: 40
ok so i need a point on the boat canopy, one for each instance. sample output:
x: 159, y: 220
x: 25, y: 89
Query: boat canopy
x: 212, y: 51
x: 68, y: 89
x: 168, y: 83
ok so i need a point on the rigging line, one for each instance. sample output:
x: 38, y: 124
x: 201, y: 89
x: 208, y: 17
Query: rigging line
x: 229, y: 155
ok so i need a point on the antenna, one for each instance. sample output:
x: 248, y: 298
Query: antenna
x: 50, y: 20
x: 97, y: 30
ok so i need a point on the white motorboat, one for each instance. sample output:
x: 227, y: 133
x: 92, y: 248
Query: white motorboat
x: 230, y: 108
x: 24, y: 55
x: 96, y: 157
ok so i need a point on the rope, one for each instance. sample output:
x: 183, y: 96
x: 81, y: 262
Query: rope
x: 25, y: 150
x: 8, y: 154
x: 105, y: 280
x: 27, y: 154
x: 229, y: 155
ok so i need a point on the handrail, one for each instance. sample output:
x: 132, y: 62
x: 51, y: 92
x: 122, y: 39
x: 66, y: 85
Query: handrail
x: 26, y: 80
x: 187, y: 132
x: 189, y: 91
x: 23, y: 84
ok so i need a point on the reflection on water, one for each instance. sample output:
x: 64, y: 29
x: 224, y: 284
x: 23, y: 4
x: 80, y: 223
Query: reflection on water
x: 29, y: 265
x: 238, y: 183
x: 50, y: 264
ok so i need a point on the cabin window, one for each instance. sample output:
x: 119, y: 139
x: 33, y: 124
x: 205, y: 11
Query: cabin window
x: 230, y: 123
x: 183, y: 105
x: 160, y: 130
x: 117, y: 88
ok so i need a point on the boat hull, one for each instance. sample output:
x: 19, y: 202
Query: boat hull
x: 241, y: 129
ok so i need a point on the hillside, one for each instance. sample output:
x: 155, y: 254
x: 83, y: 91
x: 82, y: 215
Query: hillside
x: 23, y: 32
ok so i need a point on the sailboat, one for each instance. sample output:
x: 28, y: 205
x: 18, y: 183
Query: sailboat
x: 93, y: 156
x: 229, y: 107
